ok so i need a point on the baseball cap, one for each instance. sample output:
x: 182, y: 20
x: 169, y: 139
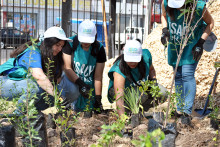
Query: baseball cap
x: 87, y: 31
x: 56, y: 32
x: 132, y: 51
x: 210, y: 43
x: 175, y: 3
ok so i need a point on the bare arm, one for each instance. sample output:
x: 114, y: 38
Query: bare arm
x: 98, y: 78
x: 42, y: 80
x: 119, y: 85
x: 210, y: 23
x: 163, y: 16
x: 152, y: 72
x: 68, y: 69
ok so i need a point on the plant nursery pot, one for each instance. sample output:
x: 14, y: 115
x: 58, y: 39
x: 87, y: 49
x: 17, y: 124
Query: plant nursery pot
x: 7, y: 136
x: 135, y: 120
x: 70, y: 134
x: 87, y: 114
x: 214, y: 123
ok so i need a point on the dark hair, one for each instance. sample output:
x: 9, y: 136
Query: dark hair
x: 126, y: 70
x: 46, y: 55
x: 171, y: 12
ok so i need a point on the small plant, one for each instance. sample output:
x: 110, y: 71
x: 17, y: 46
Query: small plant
x: 150, y: 139
x: 63, y: 125
x: 88, y: 108
x: 132, y: 99
x: 109, y: 132
x: 215, y: 139
x: 214, y: 114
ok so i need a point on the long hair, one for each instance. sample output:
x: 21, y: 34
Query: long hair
x: 126, y: 70
x: 21, y: 48
x: 171, y: 12
x: 54, y: 70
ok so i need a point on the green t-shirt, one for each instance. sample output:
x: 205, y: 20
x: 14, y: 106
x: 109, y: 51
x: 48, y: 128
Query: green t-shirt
x: 135, y: 73
x: 177, y: 29
x: 84, y: 66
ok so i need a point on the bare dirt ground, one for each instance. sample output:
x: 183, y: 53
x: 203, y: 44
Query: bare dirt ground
x: 201, y: 134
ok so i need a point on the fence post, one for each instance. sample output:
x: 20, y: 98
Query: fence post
x: 67, y: 16
x: 112, y: 16
x: 148, y: 18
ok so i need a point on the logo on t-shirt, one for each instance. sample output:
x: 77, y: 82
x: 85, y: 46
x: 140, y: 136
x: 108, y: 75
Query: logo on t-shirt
x: 84, y: 71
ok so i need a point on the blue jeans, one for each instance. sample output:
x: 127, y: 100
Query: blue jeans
x: 70, y: 89
x: 185, y: 87
x: 24, y: 89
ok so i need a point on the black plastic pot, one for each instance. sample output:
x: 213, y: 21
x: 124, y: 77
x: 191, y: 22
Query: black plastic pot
x: 39, y: 124
x: 68, y: 136
x: 170, y: 132
x: 135, y: 120
x: 7, y: 136
x: 214, y: 124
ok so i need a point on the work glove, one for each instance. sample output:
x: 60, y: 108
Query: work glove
x: 65, y: 102
x: 165, y: 36
x: 83, y: 88
x: 197, y: 50
x: 98, y: 108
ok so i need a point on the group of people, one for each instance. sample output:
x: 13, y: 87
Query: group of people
x: 78, y: 63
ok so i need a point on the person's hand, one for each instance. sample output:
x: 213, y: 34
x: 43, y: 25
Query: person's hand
x: 98, y: 104
x: 197, y: 50
x: 65, y: 102
x: 165, y: 36
x: 83, y: 88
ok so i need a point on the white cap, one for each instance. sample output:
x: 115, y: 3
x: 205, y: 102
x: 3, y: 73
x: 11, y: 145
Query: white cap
x: 56, y: 32
x: 176, y: 3
x: 87, y: 32
x: 132, y: 51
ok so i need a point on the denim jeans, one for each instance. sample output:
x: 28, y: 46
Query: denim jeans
x: 24, y: 89
x: 185, y: 87
x: 70, y: 89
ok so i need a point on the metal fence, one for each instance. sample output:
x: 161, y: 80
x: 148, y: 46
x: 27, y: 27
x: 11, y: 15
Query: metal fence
x: 22, y: 19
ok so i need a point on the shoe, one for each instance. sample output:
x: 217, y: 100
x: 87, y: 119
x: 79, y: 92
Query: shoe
x: 176, y: 114
x: 186, y: 119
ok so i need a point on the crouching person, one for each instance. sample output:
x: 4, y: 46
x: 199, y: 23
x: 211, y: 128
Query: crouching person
x: 84, y: 61
x: 26, y: 74
x: 129, y: 69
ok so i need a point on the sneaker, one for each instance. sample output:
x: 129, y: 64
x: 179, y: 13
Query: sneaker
x: 176, y: 114
x: 186, y: 119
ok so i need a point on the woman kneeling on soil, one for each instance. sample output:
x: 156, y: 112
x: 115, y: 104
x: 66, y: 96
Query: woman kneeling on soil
x: 24, y: 74
x: 129, y: 69
x: 84, y: 61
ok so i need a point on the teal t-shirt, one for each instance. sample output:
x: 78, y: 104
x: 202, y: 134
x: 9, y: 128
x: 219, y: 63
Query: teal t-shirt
x: 135, y: 73
x: 84, y: 66
x: 177, y: 28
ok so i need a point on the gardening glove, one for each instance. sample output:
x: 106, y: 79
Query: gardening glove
x: 165, y: 36
x: 65, y: 102
x: 98, y: 104
x: 83, y: 88
x: 197, y: 50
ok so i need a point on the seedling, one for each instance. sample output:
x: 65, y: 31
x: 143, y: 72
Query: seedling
x: 150, y: 139
x: 109, y: 132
